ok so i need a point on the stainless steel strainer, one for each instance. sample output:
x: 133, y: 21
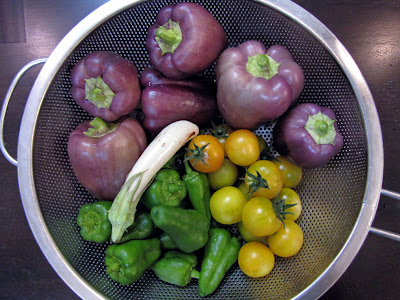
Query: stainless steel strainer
x: 339, y: 200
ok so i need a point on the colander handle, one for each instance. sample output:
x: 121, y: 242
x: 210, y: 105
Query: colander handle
x: 7, y: 98
x: 386, y: 233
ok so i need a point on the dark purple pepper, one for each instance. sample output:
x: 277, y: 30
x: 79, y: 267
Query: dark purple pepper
x: 165, y: 100
x: 185, y: 40
x: 102, y: 154
x: 255, y: 84
x: 105, y: 85
x: 308, y: 134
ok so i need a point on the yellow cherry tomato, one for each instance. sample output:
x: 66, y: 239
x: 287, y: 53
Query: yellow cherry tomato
x: 291, y: 197
x: 267, y: 171
x: 259, y: 217
x: 226, y: 205
x: 242, y: 147
x: 287, y: 241
x: 256, y: 259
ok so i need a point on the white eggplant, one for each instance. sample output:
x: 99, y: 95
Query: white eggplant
x: 157, y: 154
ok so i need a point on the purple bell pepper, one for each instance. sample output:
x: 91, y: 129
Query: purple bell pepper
x: 105, y: 85
x: 308, y: 134
x: 102, y: 154
x: 165, y: 100
x: 185, y: 40
x: 256, y: 84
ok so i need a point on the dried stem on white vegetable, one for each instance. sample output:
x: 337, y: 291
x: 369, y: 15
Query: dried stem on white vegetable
x: 156, y: 155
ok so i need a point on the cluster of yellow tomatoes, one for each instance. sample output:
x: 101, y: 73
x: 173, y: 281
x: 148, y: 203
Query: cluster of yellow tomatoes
x: 263, y: 203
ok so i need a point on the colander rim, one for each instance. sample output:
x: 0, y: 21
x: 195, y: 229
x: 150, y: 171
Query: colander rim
x: 291, y: 10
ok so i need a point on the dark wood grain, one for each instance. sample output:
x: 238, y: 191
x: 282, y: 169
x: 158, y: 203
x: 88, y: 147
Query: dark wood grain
x: 368, y: 29
x: 12, y: 21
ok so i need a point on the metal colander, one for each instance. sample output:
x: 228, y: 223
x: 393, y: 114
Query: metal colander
x: 339, y: 200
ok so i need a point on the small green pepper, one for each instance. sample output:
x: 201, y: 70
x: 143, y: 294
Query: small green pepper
x: 176, y: 267
x: 198, y: 188
x: 127, y: 262
x: 167, y: 189
x: 220, y: 253
x: 167, y: 242
x: 93, y: 221
x: 188, y: 228
x: 142, y: 228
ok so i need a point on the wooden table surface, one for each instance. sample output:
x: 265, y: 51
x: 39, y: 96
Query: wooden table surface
x: 370, y: 30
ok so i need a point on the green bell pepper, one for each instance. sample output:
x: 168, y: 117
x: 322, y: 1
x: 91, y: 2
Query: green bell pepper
x: 93, y: 221
x: 176, y: 267
x: 198, y: 188
x: 127, y: 262
x: 166, y: 189
x: 220, y: 253
x: 167, y: 242
x: 142, y: 228
x: 188, y: 228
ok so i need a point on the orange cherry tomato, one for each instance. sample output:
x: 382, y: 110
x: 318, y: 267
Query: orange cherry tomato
x: 206, y: 153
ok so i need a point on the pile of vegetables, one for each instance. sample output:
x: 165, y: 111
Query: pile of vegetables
x: 169, y: 193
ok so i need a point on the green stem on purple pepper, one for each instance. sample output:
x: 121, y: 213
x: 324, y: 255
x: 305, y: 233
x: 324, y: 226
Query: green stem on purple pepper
x: 169, y: 36
x: 321, y: 128
x: 98, y: 92
x: 262, y: 65
x: 100, y: 128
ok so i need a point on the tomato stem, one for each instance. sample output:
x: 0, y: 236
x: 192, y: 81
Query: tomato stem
x: 198, y: 154
x: 280, y: 208
x: 256, y: 182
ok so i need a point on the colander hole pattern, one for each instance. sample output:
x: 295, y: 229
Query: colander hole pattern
x: 332, y: 196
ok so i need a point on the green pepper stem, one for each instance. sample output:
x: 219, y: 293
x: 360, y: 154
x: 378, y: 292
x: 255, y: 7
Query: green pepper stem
x: 188, y: 169
x: 321, y: 128
x: 100, y: 128
x: 262, y: 65
x: 195, y: 274
x: 98, y: 92
x: 169, y: 36
x: 173, y: 188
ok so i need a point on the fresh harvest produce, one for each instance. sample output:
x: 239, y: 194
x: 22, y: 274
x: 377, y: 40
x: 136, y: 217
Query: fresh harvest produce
x: 255, y: 84
x: 185, y: 40
x: 93, y: 221
x: 221, y: 132
x: 290, y: 197
x: 167, y: 242
x: 225, y: 175
x: 127, y: 262
x: 102, y: 154
x: 205, y: 153
x: 220, y: 253
x: 166, y: 189
x: 261, y: 217
x: 198, y: 188
x: 105, y: 85
x: 157, y: 154
x: 188, y: 228
x: 256, y: 259
x: 264, y: 179
x: 291, y: 173
x: 226, y: 205
x: 248, y: 237
x: 242, y: 147
x: 152, y: 77
x: 142, y: 228
x: 176, y: 267
x: 309, y: 135
x: 165, y: 100
x: 287, y: 240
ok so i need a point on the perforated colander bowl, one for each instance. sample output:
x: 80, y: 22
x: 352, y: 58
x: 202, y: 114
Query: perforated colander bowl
x: 339, y: 200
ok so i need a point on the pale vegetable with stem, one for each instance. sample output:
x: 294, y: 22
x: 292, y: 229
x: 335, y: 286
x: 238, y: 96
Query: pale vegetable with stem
x: 156, y: 155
